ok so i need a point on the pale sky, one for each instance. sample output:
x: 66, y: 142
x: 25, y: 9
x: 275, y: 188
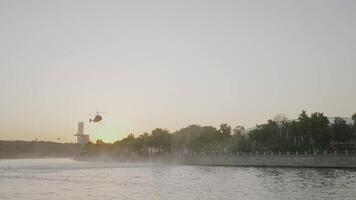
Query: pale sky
x: 170, y: 64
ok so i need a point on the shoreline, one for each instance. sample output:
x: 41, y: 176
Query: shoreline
x: 300, y: 161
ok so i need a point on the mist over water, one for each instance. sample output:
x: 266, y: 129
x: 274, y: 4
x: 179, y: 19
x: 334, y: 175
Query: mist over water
x: 69, y: 179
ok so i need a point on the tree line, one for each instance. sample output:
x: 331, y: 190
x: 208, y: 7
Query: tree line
x: 309, y: 133
x: 37, y: 149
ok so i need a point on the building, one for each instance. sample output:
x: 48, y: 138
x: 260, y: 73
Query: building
x: 81, y: 137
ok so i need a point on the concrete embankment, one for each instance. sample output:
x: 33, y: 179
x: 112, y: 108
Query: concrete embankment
x: 328, y: 160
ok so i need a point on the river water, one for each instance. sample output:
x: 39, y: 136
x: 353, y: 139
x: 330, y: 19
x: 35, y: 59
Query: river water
x: 69, y: 179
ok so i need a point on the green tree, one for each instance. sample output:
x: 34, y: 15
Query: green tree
x: 127, y: 145
x: 224, y: 131
x: 205, y: 139
x: 141, y: 144
x: 320, y: 130
x: 98, y: 141
x: 196, y: 138
x: 161, y: 139
x: 342, y: 130
x: 238, y: 130
x: 353, y: 117
x: 266, y: 136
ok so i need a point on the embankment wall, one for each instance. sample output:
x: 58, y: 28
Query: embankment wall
x: 337, y: 161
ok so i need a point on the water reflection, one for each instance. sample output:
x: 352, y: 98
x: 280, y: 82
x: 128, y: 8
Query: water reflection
x: 151, y: 181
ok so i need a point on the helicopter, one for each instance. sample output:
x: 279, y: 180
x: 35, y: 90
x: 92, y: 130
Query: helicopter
x: 97, y: 117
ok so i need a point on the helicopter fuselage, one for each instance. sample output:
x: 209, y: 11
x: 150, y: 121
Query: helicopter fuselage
x: 97, y: 118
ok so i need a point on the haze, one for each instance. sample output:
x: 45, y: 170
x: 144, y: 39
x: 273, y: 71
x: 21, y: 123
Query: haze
x: 169, y: 64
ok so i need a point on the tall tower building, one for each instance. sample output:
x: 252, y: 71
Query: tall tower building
x: 81, y: 137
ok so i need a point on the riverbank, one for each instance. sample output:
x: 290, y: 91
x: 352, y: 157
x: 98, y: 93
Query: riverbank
x: 37, y: 149
x: 244, y: 160
x: 320, y: 161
